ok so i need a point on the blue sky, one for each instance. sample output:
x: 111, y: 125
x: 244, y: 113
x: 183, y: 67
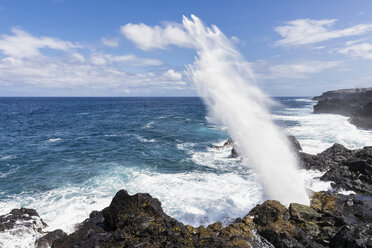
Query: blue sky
x: 133, y: 48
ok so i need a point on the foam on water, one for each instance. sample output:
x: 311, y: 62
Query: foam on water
x: 195, y: 198
x: 317, y: 132
x: 22, y: 235
x: 144, y: 140
x: 312, y: 181
x: 54, y: 140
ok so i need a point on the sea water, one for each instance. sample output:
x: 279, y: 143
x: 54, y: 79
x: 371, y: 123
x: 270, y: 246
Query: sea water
x: 66, y: 157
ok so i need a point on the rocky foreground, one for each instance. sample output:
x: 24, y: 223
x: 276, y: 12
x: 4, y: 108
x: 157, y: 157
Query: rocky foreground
x: 331, y: 220
x: 353, y: 103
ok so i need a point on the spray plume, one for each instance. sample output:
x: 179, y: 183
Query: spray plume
x: 224, y: 80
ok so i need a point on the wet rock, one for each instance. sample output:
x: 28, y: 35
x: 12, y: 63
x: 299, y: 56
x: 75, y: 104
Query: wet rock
x: 27, y: 216
x: 234, y: 153
x: 228, y: 143
x: 294, y: 143
x: 353, y: 172
x: 47, y: 240
x: 330, y: 158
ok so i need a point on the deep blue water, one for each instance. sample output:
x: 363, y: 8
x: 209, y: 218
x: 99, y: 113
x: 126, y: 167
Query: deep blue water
x: 49, y: 142
x: 70, y: 156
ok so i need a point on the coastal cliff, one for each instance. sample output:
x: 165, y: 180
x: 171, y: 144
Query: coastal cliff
x: 353, y: 103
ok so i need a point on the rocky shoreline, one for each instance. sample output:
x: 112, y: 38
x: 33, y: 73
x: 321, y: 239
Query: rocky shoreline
x: 353, y: 103
x: 331, y: 220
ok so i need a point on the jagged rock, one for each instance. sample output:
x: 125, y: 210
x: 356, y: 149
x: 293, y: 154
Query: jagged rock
x: 330, y: 158
x: 47, y: 240
x: 353, y: 236
x: 353, y: 171
x: 228, y: 143
x: 294, y: 143
x: 272, y: 223
x: 347, y: 169
x: 29, y: 217
x: 234, y: 153
x: 139, y: 221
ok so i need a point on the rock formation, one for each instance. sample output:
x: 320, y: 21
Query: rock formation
x: 354, y: 103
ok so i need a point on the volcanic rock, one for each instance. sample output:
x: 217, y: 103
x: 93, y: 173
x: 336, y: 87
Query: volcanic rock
x: 353, y: 103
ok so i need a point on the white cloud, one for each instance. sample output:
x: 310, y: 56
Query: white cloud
x: 110, y: 42
x: 298, y: 70
x: 25, y: 63
x: 363, y: 50
x: 351, y: 42
x: 318, y: 47
x: 308, y: 31
x: 171, y: 74
x: 146, y: 37
x: 129, y: 59
x: 22, y: 44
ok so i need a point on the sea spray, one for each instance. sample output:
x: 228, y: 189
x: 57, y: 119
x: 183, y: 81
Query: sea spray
x: 224, y: 80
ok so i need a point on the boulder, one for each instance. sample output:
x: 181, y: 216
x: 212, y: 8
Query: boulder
x: 302, y: 213
x: 47, y: 240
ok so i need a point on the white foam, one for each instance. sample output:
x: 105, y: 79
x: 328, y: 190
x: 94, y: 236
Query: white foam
x: 7, y: 157
x: 313, y: 182
x: 346, y: 192
x: 22, y: 235
x: 194, y: 198
x: 144, y: 140
x: 317, y: 132
x: 9, y: 172
x: 187, y: 146
x: 149, y: 125
x: 54, y: 140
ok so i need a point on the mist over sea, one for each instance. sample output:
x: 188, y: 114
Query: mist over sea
x: 65, y: 157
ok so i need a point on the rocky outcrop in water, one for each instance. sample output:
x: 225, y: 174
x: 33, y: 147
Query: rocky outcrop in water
x: 354, y: 103
x: 347, y: 169
x: 26, y: 220
x: 139, y: 221
x: 332, y: 220
x: 293, y: 142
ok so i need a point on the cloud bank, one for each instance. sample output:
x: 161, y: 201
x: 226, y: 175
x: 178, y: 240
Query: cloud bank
x: 47, y: 62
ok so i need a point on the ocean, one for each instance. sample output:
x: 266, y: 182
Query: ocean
x: 66, y: 157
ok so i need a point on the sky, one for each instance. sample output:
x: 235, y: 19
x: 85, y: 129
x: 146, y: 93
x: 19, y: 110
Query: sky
x: 140, y: 48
